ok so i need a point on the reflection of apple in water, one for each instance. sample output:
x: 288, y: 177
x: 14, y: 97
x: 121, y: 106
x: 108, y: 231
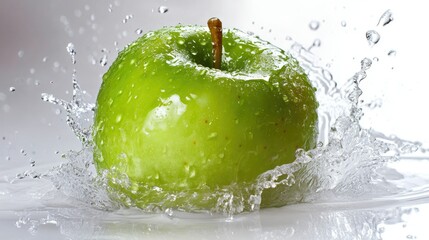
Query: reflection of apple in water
x: 166, y: 118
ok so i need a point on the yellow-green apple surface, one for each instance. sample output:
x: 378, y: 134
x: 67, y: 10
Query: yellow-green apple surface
x: 166, y: 121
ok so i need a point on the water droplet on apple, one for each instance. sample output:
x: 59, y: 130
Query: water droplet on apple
x: 373, y: 37
x: 314, y: 25
x: 212, y: 135
x: 118, y: 118
x: 162, y: 9
x: 192, y: 173
x: 386, y: 18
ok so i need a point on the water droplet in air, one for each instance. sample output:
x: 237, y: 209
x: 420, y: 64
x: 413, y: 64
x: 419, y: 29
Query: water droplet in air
x: 71, y: 50
x: 103, y: 60
x: 365, y: 64
x: 139, y: 31
x: 162, y: 9
x: 391, y: 53
x: 20, y: 53
x: 314, y: 25
x: 127, y: 17
x: 373, y: 37
x: 343, y: 23
x: 386, y: 18
x: 12, y: 89
x: 317, y: 43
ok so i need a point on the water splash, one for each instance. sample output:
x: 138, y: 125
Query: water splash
x: 79, y: 111
x: 345, y: 164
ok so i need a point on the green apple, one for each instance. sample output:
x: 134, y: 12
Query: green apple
x: 168, y: 124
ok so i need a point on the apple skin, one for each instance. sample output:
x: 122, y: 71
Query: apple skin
x: 165, y: 119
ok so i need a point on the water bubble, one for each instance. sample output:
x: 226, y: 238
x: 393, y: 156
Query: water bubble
x: 110, y: 8
x: 7, y: 158
x: 375, y: 59
x: 44, y: 59
x: 314, y: 25
x: 391, y: 53
x: 103, y: 60
x: 20, y: 53
x: 373, y: 37
x: 12, y: 89
x: 162, y: 9
x: 139, y: 31
x: 386, y: 18
x: 343, y: 23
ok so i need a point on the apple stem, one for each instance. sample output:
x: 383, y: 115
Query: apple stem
x: 215, y: 26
